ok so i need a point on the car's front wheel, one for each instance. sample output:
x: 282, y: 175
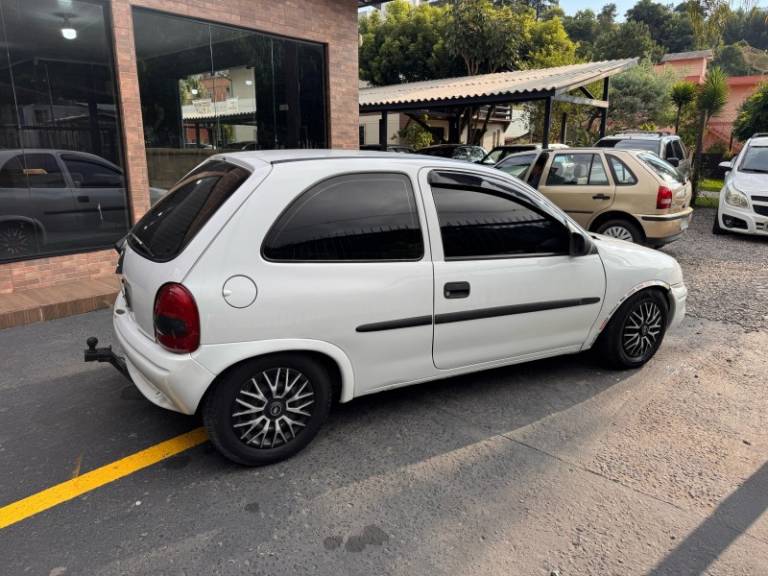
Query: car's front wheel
x: 621, y: 229
x: 267, y: 409
x: 635, y: 332
x: 16, y: 239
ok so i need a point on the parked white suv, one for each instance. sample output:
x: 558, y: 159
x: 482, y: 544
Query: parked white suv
x: 266, y: 285
x: 743, y: 205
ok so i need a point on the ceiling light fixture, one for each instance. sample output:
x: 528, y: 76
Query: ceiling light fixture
x: 67, y: 31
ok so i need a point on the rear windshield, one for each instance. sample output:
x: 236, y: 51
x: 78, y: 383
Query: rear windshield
x: 631, y: 144
x: 171, y: 224
x: 662, y: 168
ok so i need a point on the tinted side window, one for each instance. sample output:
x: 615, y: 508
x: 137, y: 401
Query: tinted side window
x: 622, y: 175
x: 487, y: 223
x: 576, y: 170
x: 43, y: 171
x: 678, y: 149
x: 12, y: 173
x: 86, y: 173
x: 173, y: 222
x: 356, y: 217
x: 517, y: 165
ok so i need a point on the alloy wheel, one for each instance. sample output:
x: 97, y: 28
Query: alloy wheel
x: 642, y: 330
x: 619, y: 232
x: 273, y: 407
x: 15, y: 240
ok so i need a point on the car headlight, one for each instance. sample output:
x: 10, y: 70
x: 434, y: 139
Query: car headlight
x: 735, y: 197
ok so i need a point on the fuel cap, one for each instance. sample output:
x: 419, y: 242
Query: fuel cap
x: 239, y: 291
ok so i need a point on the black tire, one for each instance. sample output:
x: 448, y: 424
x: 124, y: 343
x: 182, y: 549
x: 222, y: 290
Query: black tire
x: 17, y: 239
x: 237, y: 393
x: 716, y: 228
x: 630, y: 227
x: 617, y: 348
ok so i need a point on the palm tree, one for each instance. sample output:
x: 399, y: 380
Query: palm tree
x: 710, y: 99
x: 683, y: 93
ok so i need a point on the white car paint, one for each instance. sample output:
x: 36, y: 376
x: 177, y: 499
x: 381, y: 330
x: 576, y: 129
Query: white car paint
x: 754, y: 186
x: 318, y: 306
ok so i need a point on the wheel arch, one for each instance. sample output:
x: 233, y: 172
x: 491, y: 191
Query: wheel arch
x: 615, y: 215
x: 10, y: 218
x: 332, y: 358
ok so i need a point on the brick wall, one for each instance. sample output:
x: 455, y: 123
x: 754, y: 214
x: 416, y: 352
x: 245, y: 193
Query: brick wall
x: 332, y: 22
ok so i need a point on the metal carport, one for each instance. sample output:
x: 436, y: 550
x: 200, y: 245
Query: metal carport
x: 453, y: 95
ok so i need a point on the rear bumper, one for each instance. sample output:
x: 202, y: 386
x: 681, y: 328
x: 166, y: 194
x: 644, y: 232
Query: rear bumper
x: 172, y: 381
x: 664, y: 228
x: 756, y: 223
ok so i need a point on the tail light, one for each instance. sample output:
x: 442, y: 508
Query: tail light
x: 663, y: 198
x: 177, y: 321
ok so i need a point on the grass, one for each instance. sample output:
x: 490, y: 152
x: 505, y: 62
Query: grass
x: 706, y: 202
x: 711, y: 185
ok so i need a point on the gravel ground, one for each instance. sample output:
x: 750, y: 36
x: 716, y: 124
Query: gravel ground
x: 727, y: 276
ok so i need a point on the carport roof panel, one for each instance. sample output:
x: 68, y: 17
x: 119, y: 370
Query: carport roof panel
x: 516, y: 85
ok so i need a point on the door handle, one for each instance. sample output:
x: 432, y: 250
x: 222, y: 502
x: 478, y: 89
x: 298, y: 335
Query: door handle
x: 601, y: 196
x: 456, y: 290
x: 83, y: 198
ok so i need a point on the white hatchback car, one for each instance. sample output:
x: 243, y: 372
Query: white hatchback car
x: 743, y: 205
x: 266, y: 285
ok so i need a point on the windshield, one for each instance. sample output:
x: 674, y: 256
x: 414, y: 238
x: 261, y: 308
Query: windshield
x: 517, y: 165
x: 638, y: 144
x: 662, y: 168
x: 755, y: 160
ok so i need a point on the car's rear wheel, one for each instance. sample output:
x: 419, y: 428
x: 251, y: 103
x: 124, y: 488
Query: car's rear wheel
x: 268, y: 409
x: 621, y: 229
x: 16, y: 239
x: 635, y: 332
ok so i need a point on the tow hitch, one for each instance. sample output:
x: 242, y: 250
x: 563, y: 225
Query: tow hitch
x: 105, y: 354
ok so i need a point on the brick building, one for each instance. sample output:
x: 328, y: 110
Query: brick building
x: 104, y: 104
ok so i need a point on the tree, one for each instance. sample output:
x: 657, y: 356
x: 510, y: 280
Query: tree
x: 486, y: 37
x: 628, y: 40
x: 405, y: 45
x: 710, y: 99
x: 640, y: 97
x: 750, y: 26
x: 583, y: 28
x: 671, y: 29
x: 731, y: 60
x: 549, y: 45
x: 683, y: 93
x: 607, y: 16
x: 753, y: 114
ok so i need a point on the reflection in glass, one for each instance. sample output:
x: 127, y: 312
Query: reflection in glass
x: 58, y: 116
x: 207, y: 88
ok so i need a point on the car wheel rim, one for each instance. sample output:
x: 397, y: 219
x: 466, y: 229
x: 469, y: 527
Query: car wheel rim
x: 619, y: 232
x: 642, y: 330
x: 272, y: 408
x: 15, y: 241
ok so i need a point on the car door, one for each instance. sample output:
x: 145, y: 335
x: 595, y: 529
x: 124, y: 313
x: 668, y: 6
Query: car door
x: 578, y: 183
x: 99, y: 190
x: 505, y: 284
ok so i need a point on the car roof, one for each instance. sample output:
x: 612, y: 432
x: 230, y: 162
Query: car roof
x: 258, y: 158
x: 639, y: 136
x: 758, y: 141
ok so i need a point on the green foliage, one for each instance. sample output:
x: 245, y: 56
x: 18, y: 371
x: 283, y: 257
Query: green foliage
x: 628, y: 40
x: 583, y: 29
x: 415, y: 135
x: 670, y: 29
x: 640, y: 96
x: 750, y: 26
x: 549, y: 45
x: 682, y: 94
x: 753, y: 114
x: 406, y: 45
x: 713, y: 93
x: 487, y: 37
x: 731, y: 59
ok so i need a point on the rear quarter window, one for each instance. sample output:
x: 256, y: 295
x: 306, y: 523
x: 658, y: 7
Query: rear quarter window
x: 172, y: 223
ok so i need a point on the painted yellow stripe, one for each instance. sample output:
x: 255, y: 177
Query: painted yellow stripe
x: 55, y: 495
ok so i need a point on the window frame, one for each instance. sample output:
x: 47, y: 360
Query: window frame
x: 507, y: 190
x: 616, y: 180
x: 420, y: 221
x: 589, y: 170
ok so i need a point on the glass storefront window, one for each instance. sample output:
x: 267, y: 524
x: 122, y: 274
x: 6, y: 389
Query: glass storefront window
x: 62, y: 188
x: 207, y: 88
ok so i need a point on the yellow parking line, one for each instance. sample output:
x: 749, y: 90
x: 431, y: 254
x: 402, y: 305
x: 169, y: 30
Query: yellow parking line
x: 55, y: 495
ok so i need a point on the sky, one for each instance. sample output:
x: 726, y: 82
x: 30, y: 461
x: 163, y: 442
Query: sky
x: 573, y: 6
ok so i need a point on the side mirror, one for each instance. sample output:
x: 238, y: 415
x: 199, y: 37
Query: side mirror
x: 674, y: 160
x: 727, y: 165
x: 578, y: 245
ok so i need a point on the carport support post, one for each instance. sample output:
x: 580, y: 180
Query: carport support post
x: 383, y: 130
x: 564, y: 127
x: 604, y: 111
x: 547, y: 122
